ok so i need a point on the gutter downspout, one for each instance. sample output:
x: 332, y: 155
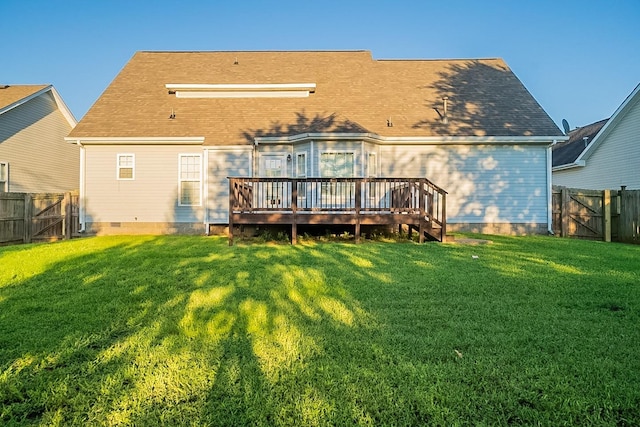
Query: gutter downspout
x: 81, y: 198
x: 550, y: 188
x: 205, y: 196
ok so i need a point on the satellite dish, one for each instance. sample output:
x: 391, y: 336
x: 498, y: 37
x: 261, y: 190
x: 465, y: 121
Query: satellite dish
x: 565, y: 125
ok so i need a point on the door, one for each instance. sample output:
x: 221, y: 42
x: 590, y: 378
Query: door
x: 272, y: 192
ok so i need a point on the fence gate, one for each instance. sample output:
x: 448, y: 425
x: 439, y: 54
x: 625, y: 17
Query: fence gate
x: 578, y: 213
x: 48, y: 217
x: 629, y: 226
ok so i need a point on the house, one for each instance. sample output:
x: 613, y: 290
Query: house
x: 34, y: 156
x: 603, y: 155
x: 160, y: 144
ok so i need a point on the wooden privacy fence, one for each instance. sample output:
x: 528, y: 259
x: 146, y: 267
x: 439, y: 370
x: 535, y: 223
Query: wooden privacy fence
x: 26, y: 218
x: 609, y: 215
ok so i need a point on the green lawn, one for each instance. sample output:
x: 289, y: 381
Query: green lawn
x: 188, y: 331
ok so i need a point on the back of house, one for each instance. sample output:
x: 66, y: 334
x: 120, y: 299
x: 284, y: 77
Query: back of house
x: 161, y: 142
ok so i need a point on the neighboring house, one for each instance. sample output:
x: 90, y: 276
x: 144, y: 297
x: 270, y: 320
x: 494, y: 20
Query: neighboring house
x: 34, y: 156
x: 605, y: 154
x: 161, y: 141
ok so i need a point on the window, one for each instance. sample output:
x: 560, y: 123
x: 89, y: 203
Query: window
x: 190, y: 179
x: 301, y: 165
x: 337, y: 165
x: 4, y: 177
x: 372, y: 172
x: 126, y: 166
x: 301, y: 172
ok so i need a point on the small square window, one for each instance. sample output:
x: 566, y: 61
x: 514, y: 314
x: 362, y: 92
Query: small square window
x: 126, y: 166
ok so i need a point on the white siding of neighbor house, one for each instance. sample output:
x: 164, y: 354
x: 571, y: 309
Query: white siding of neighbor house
x: 486, y: 184
x: 32, y: 143
x: 224, y: 163
x: 614, y: 162
x: 151, y: 197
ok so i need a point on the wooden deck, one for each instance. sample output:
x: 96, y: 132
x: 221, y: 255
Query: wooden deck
x: 415, y: 202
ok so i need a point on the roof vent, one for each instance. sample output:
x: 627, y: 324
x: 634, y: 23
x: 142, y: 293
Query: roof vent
x: 445, y: 117
x: 586, y: 141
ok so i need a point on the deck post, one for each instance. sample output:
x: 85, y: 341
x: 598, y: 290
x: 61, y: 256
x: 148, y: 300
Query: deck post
x: 294, y: 210
x: 231, y: 182
x: 66, y: 218
x: 421, y: 203
x: 443, y: 230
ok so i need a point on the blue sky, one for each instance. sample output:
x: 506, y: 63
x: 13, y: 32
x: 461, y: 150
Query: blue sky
x: 579, y: 59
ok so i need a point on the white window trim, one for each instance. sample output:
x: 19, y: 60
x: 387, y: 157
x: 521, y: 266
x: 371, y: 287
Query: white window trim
x: 302, y: 187
x: 375, y: 156
x: 118, y: 167
x: 372, y: 190
x: 353, y: 167
x: 4, y: 184
x: 180, y: 180
x: 306, y: 164
x: 335, y: 186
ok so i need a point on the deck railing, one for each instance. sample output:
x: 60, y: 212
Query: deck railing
x: 350, y: 198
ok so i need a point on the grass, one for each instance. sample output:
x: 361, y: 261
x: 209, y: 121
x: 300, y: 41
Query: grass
x: 188, y: 331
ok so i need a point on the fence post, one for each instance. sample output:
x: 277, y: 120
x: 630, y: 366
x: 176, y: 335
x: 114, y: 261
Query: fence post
x: 28, y: 213
x: 565, y: 199
x: 65, y: 210
x: 606, y: 215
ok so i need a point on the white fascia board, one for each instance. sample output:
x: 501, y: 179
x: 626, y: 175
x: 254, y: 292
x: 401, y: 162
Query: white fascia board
x: 239, y: 94
x: 143, y: 140
x: 230, y: 148
x: 27, y: 99
x: 309, y: 87
x: 620, y: 112
x: 66, y: 112
x: 576, y: 164
x: 410, y: 140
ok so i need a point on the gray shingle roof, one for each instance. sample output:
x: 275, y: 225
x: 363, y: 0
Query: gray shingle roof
x: 567, y: 152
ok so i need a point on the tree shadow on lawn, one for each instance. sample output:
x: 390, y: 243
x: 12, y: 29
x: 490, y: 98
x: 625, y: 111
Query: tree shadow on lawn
x: 176, y: 331
x: 165, y: 331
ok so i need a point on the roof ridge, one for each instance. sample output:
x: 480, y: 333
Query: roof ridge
x: 260, y: 51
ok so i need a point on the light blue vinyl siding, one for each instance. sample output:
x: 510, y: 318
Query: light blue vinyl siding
x: 224, y: 164
x: 151, y: 197
x: 486, y: 184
